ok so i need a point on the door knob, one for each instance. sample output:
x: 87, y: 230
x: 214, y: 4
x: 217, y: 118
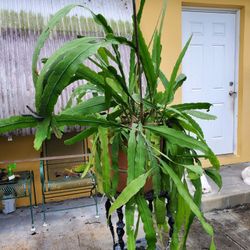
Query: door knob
x: 232, y: 93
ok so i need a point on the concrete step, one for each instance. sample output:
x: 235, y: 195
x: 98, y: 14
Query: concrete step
x: 234, y: 191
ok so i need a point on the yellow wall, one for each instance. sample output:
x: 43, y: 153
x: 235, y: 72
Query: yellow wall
x: 21, y: 148
x: 172, y: 43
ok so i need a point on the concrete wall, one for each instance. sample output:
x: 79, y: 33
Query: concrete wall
x: 172, y: 43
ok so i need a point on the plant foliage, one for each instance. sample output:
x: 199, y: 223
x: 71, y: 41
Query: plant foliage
x: 160, y: 139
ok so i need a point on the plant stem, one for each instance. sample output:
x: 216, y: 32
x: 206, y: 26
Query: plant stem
x: 138, y: 58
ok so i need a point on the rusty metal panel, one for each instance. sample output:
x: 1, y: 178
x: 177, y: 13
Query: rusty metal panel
x: 21, y: 22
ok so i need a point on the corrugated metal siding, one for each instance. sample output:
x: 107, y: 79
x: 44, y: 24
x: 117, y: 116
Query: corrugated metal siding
x: 21, y: 22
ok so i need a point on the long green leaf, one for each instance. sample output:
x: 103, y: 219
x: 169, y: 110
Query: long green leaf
x: 131, y: 154
x: 163, y: 79
x: 42, y: 130
x: 197, y: 200
x: 214, y: 174
x: 156, y: 53
x: 90, y: 120
x: 140, y: 157
x: 81, y: 136
x: 45, y: 34
x: 98, y: 168
x: 139, y: 14
x: 17, y: 122
x: 195, y: 126
x: 183, y: 140
x: 173, y: 82
x: 129, y: 216
x: 147, y: 64
x: 115, y: 163
x: 194, y: 168
x: 201, y: 115
x: 106, y: 168
x: 185, y: 195
x: 192, y: 106
x: 148, y: 225
x: 160, y: 210
x: 179, y: 61
x: 179, y: 138
x: 129, y: 191
x: 90, y: 106
x: 58, y: 76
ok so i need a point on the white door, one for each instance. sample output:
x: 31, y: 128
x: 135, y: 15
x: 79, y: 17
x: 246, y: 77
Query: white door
x: 210, y: 68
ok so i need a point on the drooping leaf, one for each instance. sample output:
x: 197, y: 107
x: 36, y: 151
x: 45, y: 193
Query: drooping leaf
x: 58, y: 131
x: 179, y: 138
x: 58, y: 76
x: 81, y: 136
x: 179, y: 81
x: 17, y: 122
x: 42, y: 130
x: 117, y: 88
x: 129, y: 191
x: 197, y: 200
x: 160, y: 211
x: 45, y: 34
x: 156, y: 176
x: 115, y: 163
x: 173, y: 86
x: 180, y: 218
x: 195, y: 127
x: 183, y: 140
x: 80, y: 92
x: 192, y: 106
x: 201, y: 115
x: 91, y: 106
x: 186, y: 196
x: 129, y: 216
x: 148, y: 225
x: 163, y: 79
x: 106, y: 168
x: 214, y: 174
x: 90, y: 120
x: 98, y: 168
x: 101, y: 20
x: 194, y: 168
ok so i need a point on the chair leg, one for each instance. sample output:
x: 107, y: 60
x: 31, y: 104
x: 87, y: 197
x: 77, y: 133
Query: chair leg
x: 44, y: 210
x: 96, y: 201
x: 33, y: 229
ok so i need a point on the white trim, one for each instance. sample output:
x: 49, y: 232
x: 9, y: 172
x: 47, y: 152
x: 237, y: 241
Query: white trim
x: 236, y: 80
x: 236, y: 12
x: 209, y: 10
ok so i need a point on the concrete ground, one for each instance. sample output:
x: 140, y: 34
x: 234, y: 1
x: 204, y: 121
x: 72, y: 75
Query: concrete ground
x: 77, y: 229
x: 234, y: 191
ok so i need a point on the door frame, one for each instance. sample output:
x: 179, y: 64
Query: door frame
x: 236, y: 59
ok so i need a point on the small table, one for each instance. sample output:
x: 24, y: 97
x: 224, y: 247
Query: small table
x: 18, y: 188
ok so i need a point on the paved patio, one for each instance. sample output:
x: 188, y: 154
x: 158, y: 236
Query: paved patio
x: 79, y: 229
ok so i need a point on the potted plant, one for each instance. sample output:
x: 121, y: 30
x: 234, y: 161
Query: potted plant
x: 162, y: 143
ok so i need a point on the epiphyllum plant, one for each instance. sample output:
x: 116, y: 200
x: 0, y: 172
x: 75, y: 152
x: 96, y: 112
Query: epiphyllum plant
x: 160, y: 140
